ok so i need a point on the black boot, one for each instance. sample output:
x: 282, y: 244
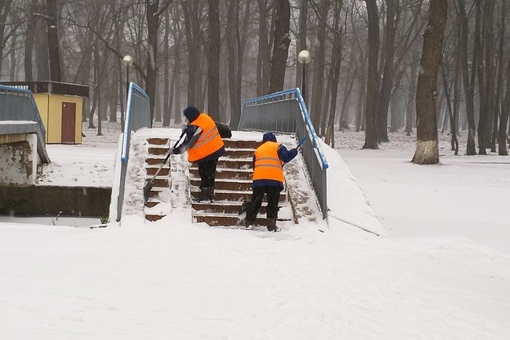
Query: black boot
x: 271, y: 224
x: 249, y: 224
x: 210, y: 194
x: 205, y: 195
x: 245, y: 210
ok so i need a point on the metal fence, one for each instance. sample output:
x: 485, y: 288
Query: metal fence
x: 18, y: 105
x: 137, y: 116
x: 286, y: 111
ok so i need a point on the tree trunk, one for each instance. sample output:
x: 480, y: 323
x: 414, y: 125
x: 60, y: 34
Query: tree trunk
x: 372, y: 94
x: 468, y: 80
x: 152, y: 16
x: 301, y: 40
x: 29, y: 41
x: 317, y: 97
x: 264, y: 51
x: 336, y: 62
x: 387, y: 82
x: 502, y: 133
x: 427, y: 151
x: 213, y: 60
x: 236, y: 45
x: 41, y: 52
x: 53, y: 44
x: 280, y: 46
x: 353, y: 67
x: 232, y: 51
x: 453, y: 128
x: 192, y: 42
x: 361, y: 100
x: 411, y: 99
x: 4, y: 11
x: 395, y: 107
x: 500, y: 99
x: 174, y: 95
x: 485, y: 75
x: 176, y: 79
x: 167, y: 95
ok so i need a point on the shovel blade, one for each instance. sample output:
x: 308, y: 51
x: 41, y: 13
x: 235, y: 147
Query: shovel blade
x: 147, y: 190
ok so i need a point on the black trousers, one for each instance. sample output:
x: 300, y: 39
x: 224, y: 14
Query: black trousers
x: 207, y: 172
x: 273, y: 197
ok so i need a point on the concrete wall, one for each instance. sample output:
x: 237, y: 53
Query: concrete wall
x: 18, y: 159
x: 52, y: 200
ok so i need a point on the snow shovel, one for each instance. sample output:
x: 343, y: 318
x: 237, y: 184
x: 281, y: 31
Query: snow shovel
x: 148, y: 187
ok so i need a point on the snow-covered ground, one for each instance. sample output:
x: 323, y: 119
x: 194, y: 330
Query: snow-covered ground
x: 443, y: 272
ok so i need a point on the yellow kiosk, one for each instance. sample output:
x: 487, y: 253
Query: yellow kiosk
x: 61, y: 107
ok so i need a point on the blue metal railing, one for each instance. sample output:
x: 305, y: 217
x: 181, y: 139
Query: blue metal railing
x: 17, y: 104
x: 286, y: 111
x: 137, y: 116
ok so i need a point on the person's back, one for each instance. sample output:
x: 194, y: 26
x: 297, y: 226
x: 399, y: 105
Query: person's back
x: 268, y: 179
x: 204, y: 145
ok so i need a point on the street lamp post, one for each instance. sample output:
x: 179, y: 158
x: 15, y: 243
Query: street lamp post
x: 128, y: 62
x: 304, y: 58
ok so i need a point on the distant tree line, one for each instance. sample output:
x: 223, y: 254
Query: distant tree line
x: 367, y: 57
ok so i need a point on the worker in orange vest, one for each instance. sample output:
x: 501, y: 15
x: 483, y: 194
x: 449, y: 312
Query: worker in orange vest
x: 268, y: 178
x: 204, y: 145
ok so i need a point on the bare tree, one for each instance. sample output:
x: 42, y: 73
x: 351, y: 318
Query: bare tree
x: 427, y: 151
x: 192, y: 26
x: 500, y: 69
x: 236, y: 44
x: 187, y: 49
x: 388, y: 69
x: 502, y: 133
x: 5, y: 7
x: 360, y: 58
x: 372, y: 95
x: 53, y: 42
x: 29, y: 40
x: 485, y: 74
x: 167, y: 94
x: 264, y: 51
x: 336, y: 60
x: 301, y: 39
x: 467, y: 76
x: 280, y: 46
x: 319, y: 65
x: 154, y: 11
x: 213, y: 47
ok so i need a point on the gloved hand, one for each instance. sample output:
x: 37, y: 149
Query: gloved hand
x: 176, y: 151
x: 299, y: 148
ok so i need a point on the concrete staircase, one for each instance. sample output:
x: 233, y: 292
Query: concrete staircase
x: 158, y: 149
x: 233, y: 184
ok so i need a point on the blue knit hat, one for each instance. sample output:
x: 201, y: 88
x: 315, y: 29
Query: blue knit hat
x: 269, y: 136
x: 191, y: 113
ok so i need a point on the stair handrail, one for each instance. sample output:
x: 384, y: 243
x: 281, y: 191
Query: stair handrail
x: 137, y: 116
x: 18, y: 104
x: 295, y: 121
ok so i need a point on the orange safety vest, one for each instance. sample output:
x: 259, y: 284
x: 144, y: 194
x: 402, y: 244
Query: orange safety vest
x: 267, y: 163
x: 209, y: 141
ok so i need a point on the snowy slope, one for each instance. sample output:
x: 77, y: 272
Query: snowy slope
x: 173, y: 279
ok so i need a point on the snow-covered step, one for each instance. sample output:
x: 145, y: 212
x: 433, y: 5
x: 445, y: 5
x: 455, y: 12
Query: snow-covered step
x: 229, y: 207
x: 227, y: 220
